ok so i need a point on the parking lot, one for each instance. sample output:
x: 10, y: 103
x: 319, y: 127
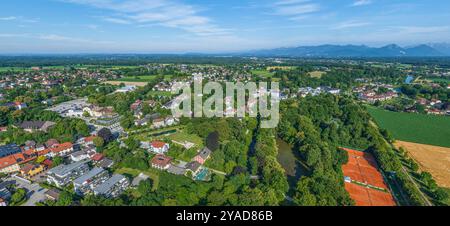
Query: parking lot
x: 35, y: 193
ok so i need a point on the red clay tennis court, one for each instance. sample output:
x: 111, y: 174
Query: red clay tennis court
x: 363, y: 171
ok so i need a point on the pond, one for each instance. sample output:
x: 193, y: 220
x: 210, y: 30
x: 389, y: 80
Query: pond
x: 286, y: 157
x: 289, y: 161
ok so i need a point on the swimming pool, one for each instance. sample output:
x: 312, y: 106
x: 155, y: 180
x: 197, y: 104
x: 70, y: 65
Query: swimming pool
x: 202, y: 175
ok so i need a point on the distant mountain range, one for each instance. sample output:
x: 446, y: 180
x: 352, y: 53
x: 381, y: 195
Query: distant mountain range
x: 393, y: 50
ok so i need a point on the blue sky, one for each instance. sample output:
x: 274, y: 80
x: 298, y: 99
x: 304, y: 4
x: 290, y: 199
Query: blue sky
x: 176, y: 26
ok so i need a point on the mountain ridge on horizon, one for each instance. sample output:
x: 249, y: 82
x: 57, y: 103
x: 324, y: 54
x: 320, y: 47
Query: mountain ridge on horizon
x: 351, y: 50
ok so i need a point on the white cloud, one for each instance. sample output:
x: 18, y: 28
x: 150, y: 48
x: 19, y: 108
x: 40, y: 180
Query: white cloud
x: 350, y: 24
x: 362, y: 2
x: 8, y: 18
x: 115, y: 20
x: 167, y: 13
x: 295, y: 10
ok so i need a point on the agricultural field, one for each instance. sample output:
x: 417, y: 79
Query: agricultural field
x: 417, y: 128
x: 5, y: 69
x: 433, y: 159
x: 283, y: 68
x: 317, y: 74
x: 262, y: 73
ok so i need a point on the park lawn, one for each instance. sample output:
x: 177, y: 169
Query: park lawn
x: 184, y: 136
x: 152, y: 173
x: 417, y: 128
x: 262, y: 73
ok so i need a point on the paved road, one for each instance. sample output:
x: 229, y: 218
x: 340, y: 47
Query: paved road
x: 35, y: 193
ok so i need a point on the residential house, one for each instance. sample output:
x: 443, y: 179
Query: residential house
x: 169, y: 121
x: 113, y: 187
x: 88, y: 140
x: 52, y: 194
x: 105, y: 163
x: 86, y: 183
x: 126, y: 89
x: 159, y: 147
x: 161, y: 162
x: 204, y: 155
x: 79, y: 156
x: 30, y: 170
x: 193, y: 167
x: 61, y: 149
x: 64, y: 174
x: 32, y: 126
x: 143, y: 122
x: 9, y: 164
x: 97, y: 157
x: 9, y: 149
x: 159, y: 122
x: 136, y: 108
x: 17, y: 105
x: 51, y: 143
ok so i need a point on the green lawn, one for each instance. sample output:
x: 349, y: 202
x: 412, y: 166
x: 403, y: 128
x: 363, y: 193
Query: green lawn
x: 417, y: 128
x: 152, y: 173
x: 262, y: 73
x: 183, y: 136
x: 5, y: 69
x: 160, y: 93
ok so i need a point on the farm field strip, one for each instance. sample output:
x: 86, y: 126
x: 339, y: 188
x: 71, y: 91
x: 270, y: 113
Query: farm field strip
x: 433, y: 159
x: 417, y: 128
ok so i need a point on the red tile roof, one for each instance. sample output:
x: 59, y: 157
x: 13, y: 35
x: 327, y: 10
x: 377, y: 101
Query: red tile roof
x: 7, y: 161
x: 158, y: 144
x: 97, y: 157
x: 161, y: 160
x: 48, y: 163
x: 89, y: 139
x: 61, y: 147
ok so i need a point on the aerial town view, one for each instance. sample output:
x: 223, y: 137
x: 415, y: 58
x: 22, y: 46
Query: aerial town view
x: 128, y: 103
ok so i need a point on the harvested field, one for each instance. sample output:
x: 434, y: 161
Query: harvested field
x: 367, y: 186
x: 433, y: 159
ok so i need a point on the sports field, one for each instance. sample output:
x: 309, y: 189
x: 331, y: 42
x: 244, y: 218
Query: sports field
x: 367, y: 186
x: 417, y: 128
